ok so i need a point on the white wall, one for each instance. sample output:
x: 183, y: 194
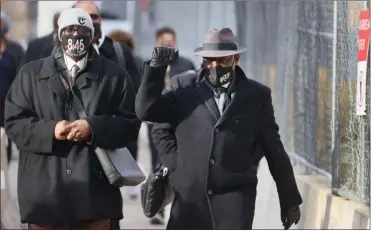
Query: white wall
x: 46, y: 11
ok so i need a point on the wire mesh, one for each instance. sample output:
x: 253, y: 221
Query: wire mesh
x: 353, y: 130
x: 290, y: 49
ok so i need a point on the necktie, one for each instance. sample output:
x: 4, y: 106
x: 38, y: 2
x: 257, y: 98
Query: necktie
x: 227, y: 97
x: 74, y: 71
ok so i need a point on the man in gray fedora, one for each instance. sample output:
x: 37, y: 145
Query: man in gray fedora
x: 219, y: 115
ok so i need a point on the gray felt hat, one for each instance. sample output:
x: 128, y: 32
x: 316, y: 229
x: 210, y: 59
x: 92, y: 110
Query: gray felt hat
x: 219, y: 43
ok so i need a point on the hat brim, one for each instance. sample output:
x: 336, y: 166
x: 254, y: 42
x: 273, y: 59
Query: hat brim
x: 215, y: 54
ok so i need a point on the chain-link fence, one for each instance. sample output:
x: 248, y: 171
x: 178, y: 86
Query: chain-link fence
x: 354, y: 131
x: 293, y: 48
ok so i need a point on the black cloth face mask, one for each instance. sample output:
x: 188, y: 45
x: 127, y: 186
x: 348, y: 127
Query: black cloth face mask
x: 220, y: 75
x: 76, y: 47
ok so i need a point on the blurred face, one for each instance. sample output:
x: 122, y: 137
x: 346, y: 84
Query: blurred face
x: 55, y: 22
x: 228, y: 61
x: 167, y: 39
x: 92, y: 10
x: 76, y: 41
x: 3, y: 31
x: 220, y: 70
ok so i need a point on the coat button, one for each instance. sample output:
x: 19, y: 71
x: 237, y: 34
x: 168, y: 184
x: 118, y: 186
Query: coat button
x: 209, y: 192
x: 212, y: 161
x: 217, y: 130
x: 69, y: 172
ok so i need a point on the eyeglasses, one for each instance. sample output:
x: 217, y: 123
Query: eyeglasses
x: 82, y: 30
x: 224, y: 61
x: 94, y: 16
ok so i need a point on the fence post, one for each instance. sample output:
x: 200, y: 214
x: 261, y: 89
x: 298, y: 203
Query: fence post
x: 335, y: 184
x: 369, y: 110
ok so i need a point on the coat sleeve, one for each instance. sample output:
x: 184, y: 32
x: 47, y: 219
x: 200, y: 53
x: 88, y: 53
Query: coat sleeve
x: 163, y: 136
x: 150, y: 104
x: 18, y: 53
x: 31, y: 51
x: 119, y: 128
x: 132, y: 68
x: 191, y: 66
x: 277, y: 158
x: 23, y: 126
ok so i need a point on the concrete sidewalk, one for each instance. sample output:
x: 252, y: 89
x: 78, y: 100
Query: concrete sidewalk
x: 317, y: 211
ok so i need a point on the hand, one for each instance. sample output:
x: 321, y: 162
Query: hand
x: 61, y: 131
x: 163, y: 56
x: 290, y: 217
x: 79, y: 130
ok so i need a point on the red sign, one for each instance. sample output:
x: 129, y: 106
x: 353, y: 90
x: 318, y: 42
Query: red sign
x: 363, y: 35
x: 144, y: 5
x: 363, y: 46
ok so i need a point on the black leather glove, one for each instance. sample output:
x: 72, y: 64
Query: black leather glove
x: 290, y: 217
x: 163, y: 56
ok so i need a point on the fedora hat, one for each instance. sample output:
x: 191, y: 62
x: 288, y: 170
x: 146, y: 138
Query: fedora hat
x: 219, y: 43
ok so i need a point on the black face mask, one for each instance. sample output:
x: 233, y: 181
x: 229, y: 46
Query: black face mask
x: 76, y: 47
x: 97, y: 31
x: 219, y: 75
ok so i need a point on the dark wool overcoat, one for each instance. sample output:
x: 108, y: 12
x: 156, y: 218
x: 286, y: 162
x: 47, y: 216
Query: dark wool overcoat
x: 61, y: 181
x: 215, y: 178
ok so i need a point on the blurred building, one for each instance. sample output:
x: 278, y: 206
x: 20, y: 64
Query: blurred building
x: 23, y: 17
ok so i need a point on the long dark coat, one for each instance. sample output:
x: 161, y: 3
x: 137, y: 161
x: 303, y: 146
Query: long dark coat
x: 215, y: 179
x: 60, y: 181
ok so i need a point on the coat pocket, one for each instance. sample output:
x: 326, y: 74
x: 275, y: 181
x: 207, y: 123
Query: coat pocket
x: 245, y: 126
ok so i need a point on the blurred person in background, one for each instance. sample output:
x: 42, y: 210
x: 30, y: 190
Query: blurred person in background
x: 105, y: 46
x: 219, y: 115
x: 42, y: 47
x: 11, y: 54
x: 166, y: 36
x: 126, y: 38
x: 61, y: 184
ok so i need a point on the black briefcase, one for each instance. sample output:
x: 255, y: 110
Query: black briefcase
x: 156, y: 192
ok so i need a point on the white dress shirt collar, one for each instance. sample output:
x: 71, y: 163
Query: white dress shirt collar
x: 220, y: 100
x: 70, y: 63
x: 100, y: 42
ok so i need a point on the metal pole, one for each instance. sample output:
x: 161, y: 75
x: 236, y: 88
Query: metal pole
x: 369, y: 112
x: 334, y: 118
x: 4, y: 177
x: 137, y: 27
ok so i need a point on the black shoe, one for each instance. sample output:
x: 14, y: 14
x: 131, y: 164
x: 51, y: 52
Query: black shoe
x: 158, y: 219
